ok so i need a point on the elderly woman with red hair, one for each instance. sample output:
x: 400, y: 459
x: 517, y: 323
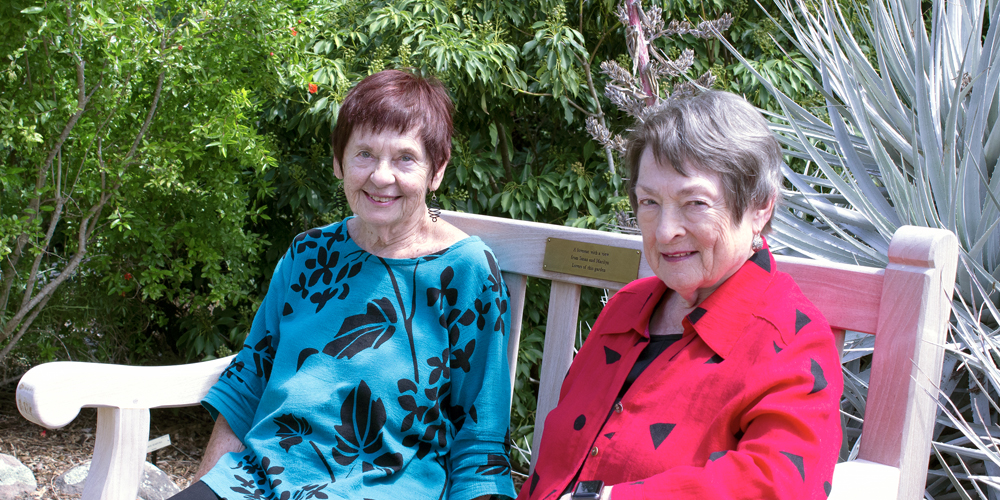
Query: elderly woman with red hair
x: 376, y: 365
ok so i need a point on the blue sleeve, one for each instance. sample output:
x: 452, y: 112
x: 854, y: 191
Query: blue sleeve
x: 481, y: 395
x: 239, y: 389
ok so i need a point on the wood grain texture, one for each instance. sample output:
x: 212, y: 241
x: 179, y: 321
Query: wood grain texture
x: 52, y: 394
x: 517, y: 284
x: 906, y: 363
x: 119, y: 454
x: 848, y: 296
x: 520, y: 245
x: 557, y: 354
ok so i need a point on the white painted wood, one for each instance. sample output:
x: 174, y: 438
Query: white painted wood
x: 517, y: 284
x: 907, y: 307
x: 520, y: 245
x: 557, y: 354
x: 119, y: 454
x: 906, y: 363
x: 52, y: 394
x: 864, y: 480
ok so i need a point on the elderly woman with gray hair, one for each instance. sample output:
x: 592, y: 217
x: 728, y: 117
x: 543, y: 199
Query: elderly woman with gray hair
x: 716, y: 378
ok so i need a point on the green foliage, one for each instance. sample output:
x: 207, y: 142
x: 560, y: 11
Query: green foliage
x: 523, y: 79
x: 129, y: 166
x: 235, y: 161
x: 910, y: 137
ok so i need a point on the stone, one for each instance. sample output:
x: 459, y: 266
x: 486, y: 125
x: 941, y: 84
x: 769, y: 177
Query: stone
x: 71, y: 482
x: 16, y: 480
x: 155, y: 485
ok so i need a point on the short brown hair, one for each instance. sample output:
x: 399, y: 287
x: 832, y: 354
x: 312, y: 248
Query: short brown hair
x: 398, y: 100
x: 716, y: 131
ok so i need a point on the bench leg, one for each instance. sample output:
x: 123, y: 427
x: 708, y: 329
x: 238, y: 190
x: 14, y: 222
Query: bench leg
x: 119, y: 454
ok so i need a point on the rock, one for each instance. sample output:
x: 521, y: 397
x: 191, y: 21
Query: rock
x: 71, y: 482
x: 16, y: 480
x: 156, y: 485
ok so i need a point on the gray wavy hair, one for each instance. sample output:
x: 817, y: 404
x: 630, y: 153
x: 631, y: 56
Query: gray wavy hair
x: 718, y: 132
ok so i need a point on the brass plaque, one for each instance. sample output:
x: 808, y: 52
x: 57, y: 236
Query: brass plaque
x: 591, y: 260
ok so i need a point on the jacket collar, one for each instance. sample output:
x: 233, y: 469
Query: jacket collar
x: 719, y: 320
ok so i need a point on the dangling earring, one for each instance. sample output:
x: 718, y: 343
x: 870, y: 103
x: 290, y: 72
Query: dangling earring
x: 434, y: 208
x: 757, y: 243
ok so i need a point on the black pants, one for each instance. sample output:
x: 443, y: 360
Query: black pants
x: 197, y: 491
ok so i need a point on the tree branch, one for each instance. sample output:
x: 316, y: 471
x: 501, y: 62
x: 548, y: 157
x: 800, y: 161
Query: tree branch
x: 53, y: 222
x: 24, y: 328
x: 608, y: 153
x: 149, y: 116
x: 86, y: 230
x: 84, y: 233
x: 504, y: 152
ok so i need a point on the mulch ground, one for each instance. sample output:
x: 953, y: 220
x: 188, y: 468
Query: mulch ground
x: 49, y: 453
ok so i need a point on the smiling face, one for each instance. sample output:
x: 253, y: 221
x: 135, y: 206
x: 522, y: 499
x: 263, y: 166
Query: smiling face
x: 386, y: 178
x: 688, y: 235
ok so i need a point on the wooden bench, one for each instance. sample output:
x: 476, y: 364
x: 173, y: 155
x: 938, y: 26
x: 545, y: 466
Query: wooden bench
x: 906, y: 306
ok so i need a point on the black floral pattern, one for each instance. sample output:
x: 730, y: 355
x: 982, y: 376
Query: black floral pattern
x: 235, y: 370
x: 263, y: 356
x: 260, y: 482
x: 495, y: 278
x: 495, y: 464
x: 291, y: 430
x: 482, y: 310
x: 499, y: 325
x: 361, y: 331
x: 324, y: 263
x: 448, y: 294
x: 301, y: 286
x: 360, y: 433
x: 460, y: 357
x: 440, y: 367
x: 453, y: 319
x: 362, y: 445
x: 321, y: 298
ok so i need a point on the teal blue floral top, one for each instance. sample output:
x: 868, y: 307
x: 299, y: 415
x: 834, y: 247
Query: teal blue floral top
x: 365, y: 377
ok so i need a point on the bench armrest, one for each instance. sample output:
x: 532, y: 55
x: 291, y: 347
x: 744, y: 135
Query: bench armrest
x: 52, y: 394
x: 864, y: 480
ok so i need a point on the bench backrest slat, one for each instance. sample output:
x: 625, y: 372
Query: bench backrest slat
x: 906, y: 306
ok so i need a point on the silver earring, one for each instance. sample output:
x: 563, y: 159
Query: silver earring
x: 434, y: 208
x: 757, y: 244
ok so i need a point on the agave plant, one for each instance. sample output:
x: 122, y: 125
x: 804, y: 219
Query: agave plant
x: 913, y: 94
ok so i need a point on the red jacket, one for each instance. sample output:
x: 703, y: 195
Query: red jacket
x: 745, y: 405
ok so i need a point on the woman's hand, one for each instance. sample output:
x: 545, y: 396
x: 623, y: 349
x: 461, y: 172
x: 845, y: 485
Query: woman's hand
x: 222, y: 441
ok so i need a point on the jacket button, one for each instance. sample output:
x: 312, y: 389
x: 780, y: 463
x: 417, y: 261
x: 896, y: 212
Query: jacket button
x: 619, y: 408
x: 593, y: 451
